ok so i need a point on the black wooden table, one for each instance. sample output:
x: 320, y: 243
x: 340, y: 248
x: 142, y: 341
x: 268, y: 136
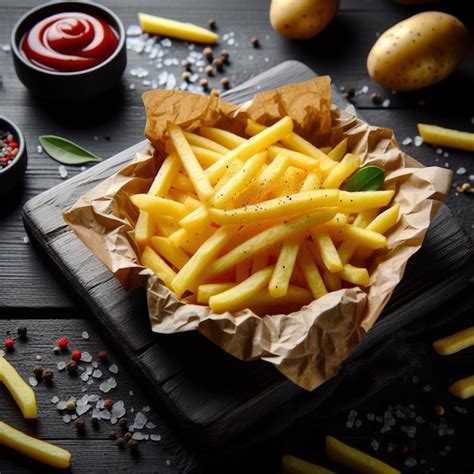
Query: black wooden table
x: 32, y: 294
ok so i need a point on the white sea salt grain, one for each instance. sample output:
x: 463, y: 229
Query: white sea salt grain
x: 114, y: 369
x: 33, y: 381
x: 411, y: 462
x: 418, y: 141
x: 132, y: 87
x: 370, y: 416
x: 85, y: 335
x: 407, y: 141
x: 105, y: 415
x: 61, y: 365
x: 62, y: 171
x: 55, y: 400
x: 6, y: 48
x: 375, y: 445
x: 365, y: 89
x: 138, y: 436
x: 67, y: 418
x: 150, y: 425
x: 168, y: 462
x: 146, y: 409
x: 134, y: 30
x: 446, y: 154
x: 439, y: 151
x: 427, y: 388
x: 386, y: 103
x: 86, y: 357
x: 155, y: 437
x: 139, y: 421
x: 84, y: 376
x: 95, y: 364
x: 461, y: 170
x: 461, y: 410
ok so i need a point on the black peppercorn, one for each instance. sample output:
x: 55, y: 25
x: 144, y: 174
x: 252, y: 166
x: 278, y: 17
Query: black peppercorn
x: 218, y: 63
x: 255, y: 41
x: 187, y: 66
x: 186, y: 76
x: 123, y: 423
x: 224, y: 55
x: 225, y: 83
x: 22, y: 330
x: 72, y: 367
x: 376, y: 98
x: 48, y: 375
x: 132, y: 445
x: 38, y: 371
x: 209, y: 70
x: 111, y: 435
x: 80, y: 423
x: 211, y: 23
x: 204, y: 83
x: 127, y: 436
x: 207, y: 53
x: 95, y: 423
x: 120, y: 442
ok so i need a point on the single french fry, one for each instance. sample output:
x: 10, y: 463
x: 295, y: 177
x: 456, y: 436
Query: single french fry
x: 243, y: 270
x: 260, y: 185
x: 348, y: 165
x: 463, y: 388
x: 166, y: 176
x: 240, y: 296
x: 341, y: 453
x: 211, y: 289
x: 268, y: 237
x: 239, y: 181
x: 168, y: 251
x: 153, y: 261
x: 21, y: 392
x: 296, y: 295
x: 327, y: 250
x: 446, y: 137
x: 37, y: 449
x: 311, y: 273
x: 206, y: 157
x: 203, y: 142
x: 159, y: 206
x: 176, y: 29
x: 363, y: 200
x: 280, y: 280
x: 144, y: 229
x: 294, y: 465
x: 196, y: 219
x: 356, y: 275
x: 312, y: 181
x: 190, y: 163
x: 276, y: 208
x: 298, y: 144
x: 225, y: 138
x: 363, y: 237
x: 331, y: 280
x: 338, y: 151
x: 192, y: 271
x: 250, y: 147
x: 455, y: 342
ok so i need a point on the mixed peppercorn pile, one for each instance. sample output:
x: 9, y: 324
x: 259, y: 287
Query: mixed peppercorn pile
x: 8, y: 148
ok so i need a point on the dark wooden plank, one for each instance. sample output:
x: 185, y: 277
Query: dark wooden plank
x: 91, y: 448
x: 237, y: 393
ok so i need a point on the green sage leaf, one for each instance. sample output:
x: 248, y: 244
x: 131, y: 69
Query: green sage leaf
x: 65, y: 151
x: 369, y: 178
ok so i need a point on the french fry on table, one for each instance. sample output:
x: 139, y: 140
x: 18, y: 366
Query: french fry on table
x: 356, y: 460
x: 463, y: 388
x: 455, y: 342
x: 294, y: 465
x: 446, y: 137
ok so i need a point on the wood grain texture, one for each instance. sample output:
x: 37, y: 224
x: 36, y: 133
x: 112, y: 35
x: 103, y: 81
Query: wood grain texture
x: 340, y: 51
x: 185, y: 369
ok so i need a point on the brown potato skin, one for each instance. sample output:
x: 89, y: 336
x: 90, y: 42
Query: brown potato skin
x: 302, y: 19
x: 419, y: 51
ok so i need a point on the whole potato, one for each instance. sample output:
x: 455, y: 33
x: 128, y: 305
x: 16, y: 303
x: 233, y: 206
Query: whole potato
x: 302, y: 19
x: 419, y: 51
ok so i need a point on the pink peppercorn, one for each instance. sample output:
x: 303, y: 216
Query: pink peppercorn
x: 76, y: 355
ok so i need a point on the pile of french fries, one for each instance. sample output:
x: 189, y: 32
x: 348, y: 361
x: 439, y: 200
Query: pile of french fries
x: 258, y: 222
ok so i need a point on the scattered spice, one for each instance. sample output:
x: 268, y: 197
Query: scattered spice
x: 72, y: 367
x: 439, y: 410
x: 225, y: 56
x: 376, y: 98
x: 38, y: 371
x: 22, y: 330
x: 127, y: 436
x: 76, y: 355
x: 71, y: 405
x: 111, y: 435
x: 209, y: 70
x: 208, y: 54
x: 187, y: 65
x: 102, y: 355
x: 204, y: 83
x: 465, y: 188
x: 123, y: 423
x: 48, y: 375
x: 186, y: 76
x: 218, y: 63
x: 349, y: 93
x: 63, y: 343
x: 9, y: 344
x: 120, y: 442
x: 255, y: 41
x: 8, y: 148
x: 132, y: 445
x: 108, y: 404
x: 56, y: 349
x: 80, y: 423
x: 211, y: 23
x: 225, y: 82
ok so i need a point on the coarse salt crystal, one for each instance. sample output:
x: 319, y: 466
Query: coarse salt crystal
x: 370, y: 416
x: 114, y: 369
x: 407, y: 141
x: 446, y: 154
x: 375, y: 445
x: 386, y: 103
x: 439, y: 151
x: 461, y: 410
x: 134, y: 30
x: 427, y: 388
x: 85, y: 335
x: 418, y: 141
x: 155, y: 437
x: 67, y: 418
x: 55, y: 400
x: 461, y: 170
x: 33, y: 381
x: 365, y: 89
x: 86, y: 357
x: 411, y: 462
x: 62, y: 171
x: 61, y: 365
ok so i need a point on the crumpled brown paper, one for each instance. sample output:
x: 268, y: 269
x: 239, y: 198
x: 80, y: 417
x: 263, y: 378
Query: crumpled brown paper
x: 307, y: 346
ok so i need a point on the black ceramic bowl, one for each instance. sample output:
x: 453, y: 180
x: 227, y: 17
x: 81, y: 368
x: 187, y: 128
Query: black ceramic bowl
x: 12, y: 174
x: 69, y: 86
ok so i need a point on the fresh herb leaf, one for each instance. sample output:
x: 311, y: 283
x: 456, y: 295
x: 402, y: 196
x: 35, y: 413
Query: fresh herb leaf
x: 65, y: 151
x: 369, y: 178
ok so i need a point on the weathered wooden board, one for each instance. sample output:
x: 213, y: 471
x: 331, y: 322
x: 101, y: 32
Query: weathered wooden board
x: 207, y: 391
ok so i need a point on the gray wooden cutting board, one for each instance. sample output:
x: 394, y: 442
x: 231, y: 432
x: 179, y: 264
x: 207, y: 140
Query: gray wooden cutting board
x: 206, y: 391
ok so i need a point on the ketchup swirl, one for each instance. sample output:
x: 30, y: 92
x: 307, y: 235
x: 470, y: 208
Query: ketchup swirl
x: 70, y: 41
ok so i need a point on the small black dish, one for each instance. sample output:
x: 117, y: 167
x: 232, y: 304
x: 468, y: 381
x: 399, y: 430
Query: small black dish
x: 69, y: 86
x: 12, y: 175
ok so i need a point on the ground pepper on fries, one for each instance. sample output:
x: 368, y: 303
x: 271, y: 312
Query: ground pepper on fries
x: 262, y: 221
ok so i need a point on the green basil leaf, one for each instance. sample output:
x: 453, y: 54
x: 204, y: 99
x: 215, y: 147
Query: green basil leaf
x: 369, y: 178
x: 65, y: 151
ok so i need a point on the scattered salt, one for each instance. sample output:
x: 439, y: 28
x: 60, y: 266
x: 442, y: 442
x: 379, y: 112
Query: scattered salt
x: 407, y: 141
x: 375, y: 445
x: 461, y: 170
x: 33, y: 381
x: 108, y: 385
x: 84, y: 376
x: 427, y: 388
x: 411, y: 462
x: 105, y: 415
x: 85, y: 356
x: 97, y: 374
x: 39, y: 149
x: 139, y: 421
x: 150, y: 425
x: 370, y: 416
x: 166, y: 43
x: 61, y: 365
x: 62, y: 171
x: 26, y: 239
x: 67, y: 418
x: 146, y: 409
x: 6, y: 48
x: 461, y: 410
x: 446, y: 154
x: 439, y: 151
x: 134, y: 30
x: 114, y: 369
x: 365, y: 89
x: 138, y: 436
x: 386, y: 103
x: 418, y: 141
x: 85, y: 335
x: 55, y: 400
x: 155, y: 437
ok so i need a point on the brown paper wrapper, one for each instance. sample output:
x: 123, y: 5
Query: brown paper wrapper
x: 308, y: 346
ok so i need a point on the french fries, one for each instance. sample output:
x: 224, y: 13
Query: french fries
x: 463, y: 388
x: 455, y: 342
x: 294, y: 465
x: 260, y: 222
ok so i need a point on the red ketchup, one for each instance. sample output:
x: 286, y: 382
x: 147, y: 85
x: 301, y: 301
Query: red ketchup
x: 70, y: 41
